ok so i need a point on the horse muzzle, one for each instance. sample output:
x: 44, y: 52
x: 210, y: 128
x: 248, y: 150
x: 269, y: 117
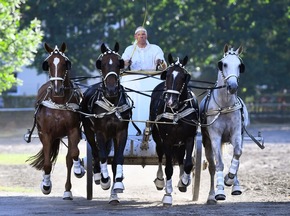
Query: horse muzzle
x: 111, y: 91
x: 232, y: 88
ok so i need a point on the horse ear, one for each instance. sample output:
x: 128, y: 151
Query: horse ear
x: 103, y: 48
x: 220, y: 65
x: 45, y: 66
x: 68, y: 65
x: 170, y: 59
x: 226, y: 48
x: 163, y: 75
x: 184, y: 61
x: 48, y: 48
x: 240, y: 50
x: 116, y: 48
x: 99, y: 64
x: 122, y: 63
x: 242, y: 68
x: 63, y: 47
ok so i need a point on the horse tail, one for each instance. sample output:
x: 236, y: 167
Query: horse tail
x: 37, y: 161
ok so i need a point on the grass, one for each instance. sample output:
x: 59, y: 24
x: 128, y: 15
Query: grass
x: 13, y: 159
x: 16, y: 189
x: 19, y: 159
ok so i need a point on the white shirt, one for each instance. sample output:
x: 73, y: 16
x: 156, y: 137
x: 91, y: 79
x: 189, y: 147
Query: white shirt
x: 143, y: 58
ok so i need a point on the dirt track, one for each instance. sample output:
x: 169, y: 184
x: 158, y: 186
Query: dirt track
x: 264, y: 175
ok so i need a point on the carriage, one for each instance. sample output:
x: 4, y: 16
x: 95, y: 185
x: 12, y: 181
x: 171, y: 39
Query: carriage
x: 139, y: 148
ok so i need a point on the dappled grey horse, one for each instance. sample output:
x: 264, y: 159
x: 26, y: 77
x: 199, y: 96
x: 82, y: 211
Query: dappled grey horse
x: 225, y: 115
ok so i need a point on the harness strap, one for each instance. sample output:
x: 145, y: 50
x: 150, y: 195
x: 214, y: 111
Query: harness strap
x: 225, y: 110
x: 67, y: 106
x: 176, y: 116
x: 111, y: 109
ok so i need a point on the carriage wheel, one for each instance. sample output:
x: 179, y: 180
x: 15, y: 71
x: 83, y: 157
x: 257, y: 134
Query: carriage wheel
x: 196, y: 173
x: 89, y: 173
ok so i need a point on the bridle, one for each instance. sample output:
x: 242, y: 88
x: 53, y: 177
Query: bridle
x: 104, y: 78
x: 45, y: 66
x: 225, y: 78
x: 171, y: 91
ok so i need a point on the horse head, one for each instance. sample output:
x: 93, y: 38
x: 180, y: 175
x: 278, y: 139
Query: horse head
x: 230, y: 66
x: 176, y: 79
x: 110, y: 64
x: 57, y: 65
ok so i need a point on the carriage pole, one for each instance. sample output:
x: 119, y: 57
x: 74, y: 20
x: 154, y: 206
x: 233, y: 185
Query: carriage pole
x: 89, y: 173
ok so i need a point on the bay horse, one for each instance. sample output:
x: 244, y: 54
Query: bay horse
x: 56, y: 117
x: 106, y: 105
x: 173, y: 102
x: 225, y: 115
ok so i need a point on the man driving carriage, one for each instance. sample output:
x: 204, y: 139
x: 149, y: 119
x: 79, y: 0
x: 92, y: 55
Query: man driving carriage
x: 145, y: 57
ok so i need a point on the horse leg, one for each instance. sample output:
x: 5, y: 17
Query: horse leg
x: 119, y: 146
x: 105, y: 178
x: 114, y: 199
x: 230, y: 177
x: 236, y: 189
x: 185, y: 178
x: 73, y: 141
x: 72, y: 158
x: 46, y: 184
x: 220, y: 193
x: 159, y: 181
x: 211, y: 167
x: 167, y: 198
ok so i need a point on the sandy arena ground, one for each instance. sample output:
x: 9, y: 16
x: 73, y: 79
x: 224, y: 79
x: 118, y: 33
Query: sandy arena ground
x: 264, y: 175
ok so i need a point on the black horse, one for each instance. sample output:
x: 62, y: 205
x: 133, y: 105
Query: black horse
x: 107, y: 104
x: 174, y: 103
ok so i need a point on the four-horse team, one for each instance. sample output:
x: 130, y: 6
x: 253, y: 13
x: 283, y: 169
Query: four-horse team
x: 170, y: 118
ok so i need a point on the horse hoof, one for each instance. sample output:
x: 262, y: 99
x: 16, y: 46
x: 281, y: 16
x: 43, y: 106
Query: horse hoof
x: 45, y: 189
x: 167, y: 200
x: 81, y: 174
x: 211, y: 202
x: 228, y: 181
x: 67, y: 195
x: 159, y: 183
x: 236, y: 190
x: 106, y: 185
x: 97, y: 178
x: 118, y: 187
x: 114, y: 200
x: 220, y: 197
x: 182, y: 187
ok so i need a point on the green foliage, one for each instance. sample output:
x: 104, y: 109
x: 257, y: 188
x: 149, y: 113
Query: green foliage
x: 197, y: 28
x: 17, y: 45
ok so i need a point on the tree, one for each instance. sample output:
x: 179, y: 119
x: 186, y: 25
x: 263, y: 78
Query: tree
x: 17, y: 45
x: 197, y: 28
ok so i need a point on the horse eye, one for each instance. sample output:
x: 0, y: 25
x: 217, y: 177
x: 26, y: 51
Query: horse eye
x: 225, y: 65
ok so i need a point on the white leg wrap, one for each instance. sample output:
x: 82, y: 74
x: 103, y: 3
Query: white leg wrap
x: 46, y: 183
x: 46, y: 180
x: 234, y: 166
x: 104, y: 169
x: 186, y: 179
x: 168, y: 187
x: 119, y: 171
x: 77, y: 167
x: 97, y: 177
x: 220, y: 178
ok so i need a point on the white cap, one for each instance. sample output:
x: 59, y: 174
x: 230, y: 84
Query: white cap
x: 140, y: 28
